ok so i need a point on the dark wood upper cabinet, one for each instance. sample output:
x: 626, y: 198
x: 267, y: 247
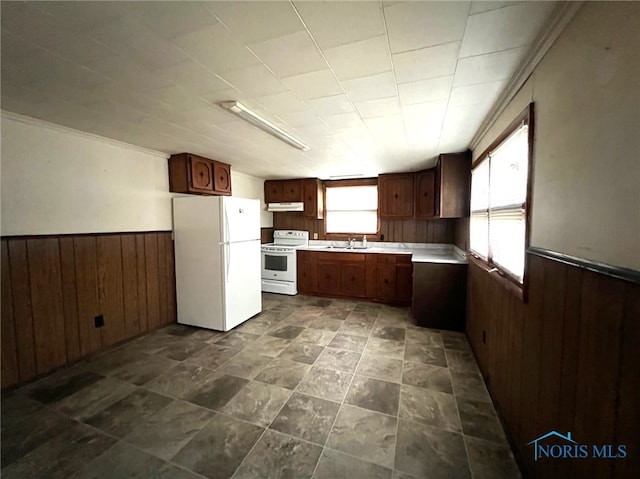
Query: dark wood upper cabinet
x: 273, y: 191
x: 292, y: 191
x: 221, y: 178
x: 454, y: 181
x: 395, y: 195
x: 194, y: 174
x: 283, y: 191
x: 426, y: 194
x: 313, y: 198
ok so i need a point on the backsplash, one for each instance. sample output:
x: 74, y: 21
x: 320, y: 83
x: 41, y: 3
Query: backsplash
x: 402, y: 231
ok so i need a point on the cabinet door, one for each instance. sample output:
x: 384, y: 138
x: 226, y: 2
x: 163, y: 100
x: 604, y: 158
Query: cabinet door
x: 329, y: 277
x: 455, y: 184
x: 313, y: 199
x: 307, y: 272
x: 395, y: 196
x: 385, y: 282
x: 425, y: 194
x: 352, y: 280
x: 404, y: 281
x: 273, y: 191
x: 221, y: 178
x: 201, y: 173
x: 292, y: 191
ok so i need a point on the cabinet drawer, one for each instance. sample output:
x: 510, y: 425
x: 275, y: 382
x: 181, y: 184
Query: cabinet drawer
x: 386, y: 258
x: 342, y: 257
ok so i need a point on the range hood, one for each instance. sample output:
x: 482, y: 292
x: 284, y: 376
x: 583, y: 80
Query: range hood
x: 296, y: 206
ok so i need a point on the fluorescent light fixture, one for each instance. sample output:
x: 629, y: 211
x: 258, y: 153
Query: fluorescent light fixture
x: 265, y: 125
x: 345, y: 177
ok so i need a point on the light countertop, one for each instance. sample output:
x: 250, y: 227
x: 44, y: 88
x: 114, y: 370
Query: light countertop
x: 420, y: 252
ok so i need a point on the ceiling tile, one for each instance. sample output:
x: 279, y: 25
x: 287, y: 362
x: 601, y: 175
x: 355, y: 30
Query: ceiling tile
x: 254, y: 81
x: 476, y: 93
x: 200, y: 46
x: 117, y: 34
x: 284, y: 102
x: 343, y: 121
x: 173, y: 19
x: 290, y: 55
x: 300, y: 118
x: 381, y: 107
x: 153, y: 53
x: 80, y: 17
x: 313, y: 85
x: 430, y: 115
x: 360, y: 59
x: 426, y: 63
x: 413, y: 25
x: 338, y: 23
x: 381, y: 85
x: 485, y: 6
x: 489, y: 67
x: 331, y: 105
x: 504, y: 28
x: 257, y: 21
x: 193, y: 76
x: 425, y: 90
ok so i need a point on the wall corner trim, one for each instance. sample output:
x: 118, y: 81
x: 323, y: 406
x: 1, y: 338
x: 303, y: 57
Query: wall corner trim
x: 559, y: 19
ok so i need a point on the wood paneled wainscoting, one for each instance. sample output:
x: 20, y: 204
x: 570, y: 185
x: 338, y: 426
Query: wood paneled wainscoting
x: 54, y: 286
x: 567, y: 360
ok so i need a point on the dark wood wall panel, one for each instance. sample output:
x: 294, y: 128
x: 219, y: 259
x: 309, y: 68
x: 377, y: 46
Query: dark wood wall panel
x: 22, y: 316
x: 9, y: 372
x: 69, y: 298
x: 397, y: 231
x: 54, y: 286
x: 46, y: 303
x: 86, y: 262
x: 566, y: 360
x: 628, y: 412
x: 170, y: 268
x: 141, y: 264
x: 130, y: 285
x: 153, y: 281
x: 110, y: 291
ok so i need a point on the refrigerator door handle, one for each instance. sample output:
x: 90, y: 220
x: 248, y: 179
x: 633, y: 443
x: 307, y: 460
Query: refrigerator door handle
x: 227, y: 261
x: 227, y: 234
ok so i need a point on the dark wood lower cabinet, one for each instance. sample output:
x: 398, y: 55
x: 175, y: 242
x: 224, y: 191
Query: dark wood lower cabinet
x: 439, y: 292
x: 385, y: 278
x: 329, y: 277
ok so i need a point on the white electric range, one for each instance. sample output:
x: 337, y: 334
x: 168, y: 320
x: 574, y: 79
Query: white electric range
x: 279, y: 273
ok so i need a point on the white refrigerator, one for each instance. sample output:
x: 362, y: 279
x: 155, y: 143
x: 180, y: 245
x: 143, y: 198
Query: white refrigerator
x: 217, y: 260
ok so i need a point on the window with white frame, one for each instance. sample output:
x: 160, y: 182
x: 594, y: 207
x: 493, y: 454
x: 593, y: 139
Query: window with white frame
x: 351, y: 209
x: 498, y: 226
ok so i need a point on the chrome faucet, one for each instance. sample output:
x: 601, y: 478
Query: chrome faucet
x: 352, y: 242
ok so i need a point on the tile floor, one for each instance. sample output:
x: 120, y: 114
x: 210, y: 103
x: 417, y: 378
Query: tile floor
x: 311, y: 387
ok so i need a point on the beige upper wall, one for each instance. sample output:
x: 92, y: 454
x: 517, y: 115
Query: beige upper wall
x: 61, y: 181
x: 586, y: 183
x: 247, y: 186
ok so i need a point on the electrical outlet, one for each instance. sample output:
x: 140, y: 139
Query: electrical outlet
x: 99, y: 321
x: 315, y: 236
